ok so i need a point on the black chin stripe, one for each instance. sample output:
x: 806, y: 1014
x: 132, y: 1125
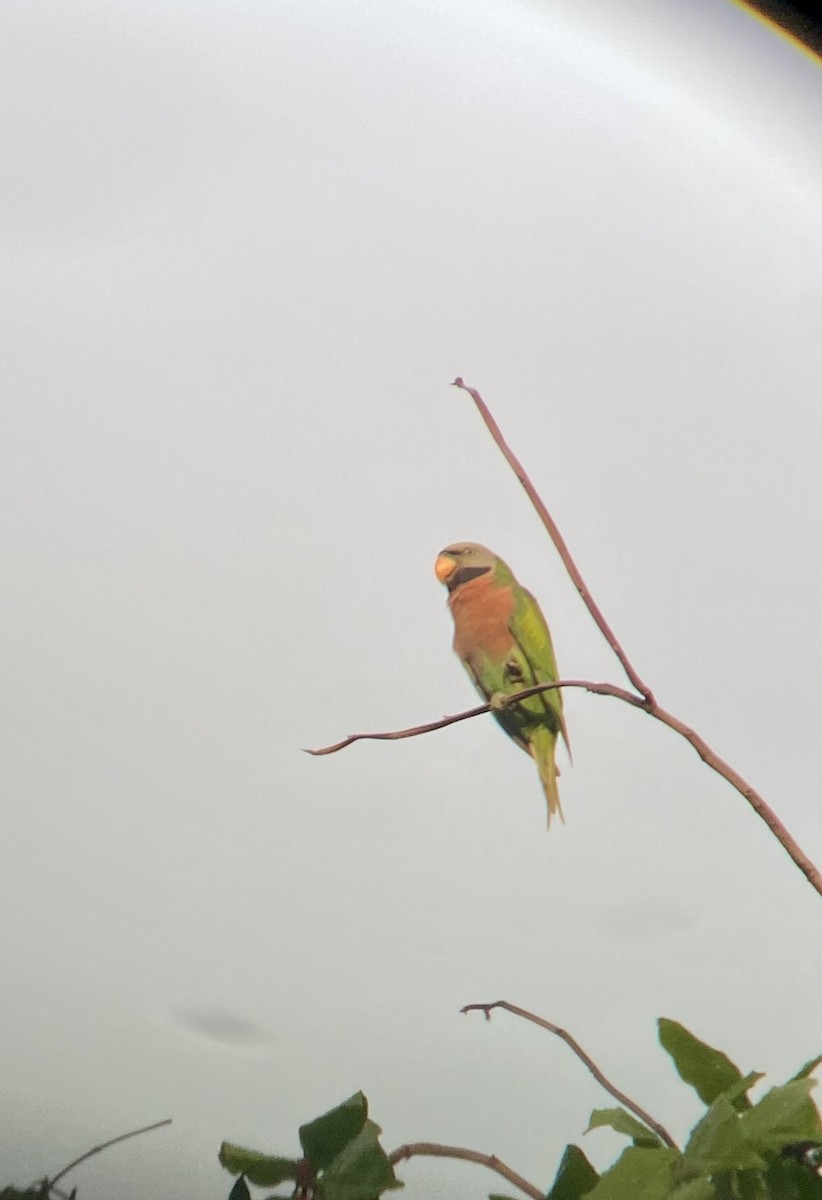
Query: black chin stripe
x: 464, y: 574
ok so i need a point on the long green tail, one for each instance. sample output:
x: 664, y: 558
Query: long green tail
x: 541, y: 747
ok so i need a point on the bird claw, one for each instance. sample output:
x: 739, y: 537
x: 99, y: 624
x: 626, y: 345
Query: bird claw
x: 498, y: 701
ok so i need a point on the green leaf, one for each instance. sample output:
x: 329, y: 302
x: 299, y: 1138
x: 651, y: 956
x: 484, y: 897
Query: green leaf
x: 717, y: 1143
x: 808, y: 1068
x: 638, y: 1174
x: 785, y: 1114
x: 361, y: 1171
x: 787, y: 1180
x: 623, y: 1122
x: 262, y: 1169
x: 240, y: 1190
x: 708, y: 1071
x: 740, y: 1090
x: 697, y: 1189
x: 324, y: 1138
x: 575, y: 1176
x: 748, y: 1185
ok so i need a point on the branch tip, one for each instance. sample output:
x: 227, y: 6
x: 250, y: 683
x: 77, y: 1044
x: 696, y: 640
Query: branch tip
x: 105, y: 1145
x: 646, y: 1118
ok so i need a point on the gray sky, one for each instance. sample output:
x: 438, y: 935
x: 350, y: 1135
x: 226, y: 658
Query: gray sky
x: 245, y: 248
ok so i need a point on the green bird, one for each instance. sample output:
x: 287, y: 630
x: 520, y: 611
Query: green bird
x: 502, y: 640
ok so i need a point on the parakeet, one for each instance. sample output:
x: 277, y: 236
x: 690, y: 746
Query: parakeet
x: 502, y: 640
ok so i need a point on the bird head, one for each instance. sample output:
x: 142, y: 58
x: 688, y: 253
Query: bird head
x: 463, y: 561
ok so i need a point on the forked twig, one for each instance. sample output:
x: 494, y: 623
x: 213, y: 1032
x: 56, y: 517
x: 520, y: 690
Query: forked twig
x: 434, y: 1150
x: 566, y: 1037
x: 105, y: 1145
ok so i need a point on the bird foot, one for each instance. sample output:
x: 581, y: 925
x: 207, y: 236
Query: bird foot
x: 499, y: 701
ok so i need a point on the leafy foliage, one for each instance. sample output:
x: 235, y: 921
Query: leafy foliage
x: 263, y: 1169
x: 575, y: 1177
x: 623, y: 1122
x: 770, y: 1149
x: 326, y: 1137
x: 639, y: 1171
x: 738, y: 1150
x: 342, y: 1159
x: 707, y: 1070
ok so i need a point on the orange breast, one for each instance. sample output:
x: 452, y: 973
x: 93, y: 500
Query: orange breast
x: 482, y: 611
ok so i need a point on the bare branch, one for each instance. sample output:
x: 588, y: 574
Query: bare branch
x: 566, y: 1037
x: 757, y: 802
x: 105, y: 1145
x: 557, y: 538
x: 644, y: 700
x: 806, y: 866
x: 398, y: 734
x: 434, y: 1150
x: 708, y: 756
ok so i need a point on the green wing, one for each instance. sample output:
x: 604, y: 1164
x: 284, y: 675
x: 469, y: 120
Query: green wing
x: 530, y: 632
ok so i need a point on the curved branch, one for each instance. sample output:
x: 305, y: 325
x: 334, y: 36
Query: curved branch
x: 397, y: 735
x: 762, y: 809
x: 645, y: 698
x: 566, y: 1037
x: 434, y: 1150
x: 105, y: 1145
x: 557, y: 538
x: 808, y: 868
x: 708, y: 756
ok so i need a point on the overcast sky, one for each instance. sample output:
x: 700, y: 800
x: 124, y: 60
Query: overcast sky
x: 245, y: 248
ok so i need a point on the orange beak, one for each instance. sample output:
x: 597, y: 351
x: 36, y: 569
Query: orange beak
x: 443, y: 567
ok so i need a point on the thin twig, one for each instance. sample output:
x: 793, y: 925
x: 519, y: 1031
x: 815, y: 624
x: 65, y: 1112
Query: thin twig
x: 557, y: 538
x: 708, y: 756
x: 105, y: 1145
x: 398, y: 734
x: 630, y: 1104
x: 434, y: 1150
